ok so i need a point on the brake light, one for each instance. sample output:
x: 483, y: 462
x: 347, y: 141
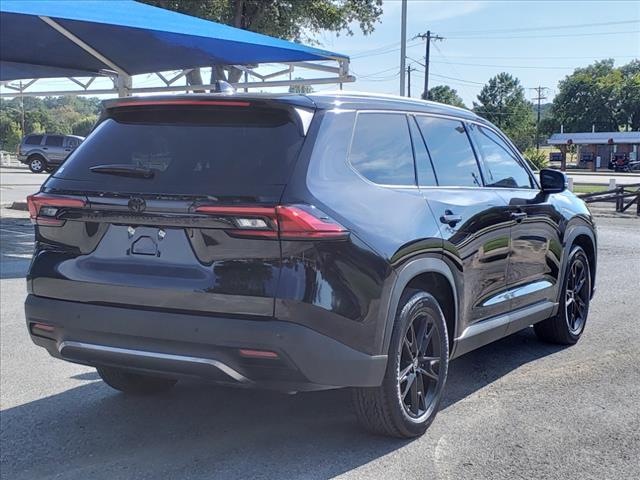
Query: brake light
x: 221, y: 103
x: 45, y: 209
x: 287, y: 222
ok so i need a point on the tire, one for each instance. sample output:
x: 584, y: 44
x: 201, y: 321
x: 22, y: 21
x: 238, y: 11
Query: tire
x: 134, y: 383
x: 566, y: 327
x: 387, y: 410
x: 37, y: 164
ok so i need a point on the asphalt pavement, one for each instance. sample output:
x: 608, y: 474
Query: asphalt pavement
x: 517, y: 409
x: 18, y: 182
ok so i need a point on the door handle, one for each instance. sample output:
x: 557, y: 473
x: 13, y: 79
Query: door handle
x: 450, y: 218
x: 518, y: 216
x: 45, y: 148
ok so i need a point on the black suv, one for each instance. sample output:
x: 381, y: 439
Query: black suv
x: 302, y: 243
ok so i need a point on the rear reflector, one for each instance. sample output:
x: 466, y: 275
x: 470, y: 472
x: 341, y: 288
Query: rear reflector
x: 287, y: 222
x: 44, y: 209
x: 248, y: 353
x: 43, y: 326
x: 43, y: 330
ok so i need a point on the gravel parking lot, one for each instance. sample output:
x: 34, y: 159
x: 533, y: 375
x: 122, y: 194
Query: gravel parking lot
x: 515, y: 409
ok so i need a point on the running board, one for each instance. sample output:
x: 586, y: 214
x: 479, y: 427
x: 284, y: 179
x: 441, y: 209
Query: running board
x: 487, y: 331
x: 88, y: 352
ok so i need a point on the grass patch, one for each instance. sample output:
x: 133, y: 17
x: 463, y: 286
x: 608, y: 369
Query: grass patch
x: 585, y: 188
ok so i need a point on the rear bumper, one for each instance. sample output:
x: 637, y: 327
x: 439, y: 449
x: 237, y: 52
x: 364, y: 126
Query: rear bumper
x: 179, y: 344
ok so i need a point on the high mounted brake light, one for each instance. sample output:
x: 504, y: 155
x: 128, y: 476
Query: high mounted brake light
x: 287, y: 222
x: 44, y: 209
x: 222, y: 103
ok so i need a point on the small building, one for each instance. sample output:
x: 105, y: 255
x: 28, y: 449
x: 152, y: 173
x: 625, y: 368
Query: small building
x: 596, y: 150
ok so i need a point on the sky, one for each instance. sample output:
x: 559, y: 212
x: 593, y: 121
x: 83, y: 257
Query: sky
x: 539, y: 42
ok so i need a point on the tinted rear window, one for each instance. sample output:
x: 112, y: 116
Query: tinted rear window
x: 33, y: 140
x: 191, y: 150
x: 450, y: 151
x: 381, y: 149
x: 54, y: 141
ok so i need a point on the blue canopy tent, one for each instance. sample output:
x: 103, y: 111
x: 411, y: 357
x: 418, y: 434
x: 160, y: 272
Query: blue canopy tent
x: 70, y: 38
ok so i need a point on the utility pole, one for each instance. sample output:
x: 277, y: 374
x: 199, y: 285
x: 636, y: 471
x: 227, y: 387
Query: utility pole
x: 429, y: 38
x: 409, y: 70
x: 403, y: 45
x: 22, y: 110
x: 540, y: 91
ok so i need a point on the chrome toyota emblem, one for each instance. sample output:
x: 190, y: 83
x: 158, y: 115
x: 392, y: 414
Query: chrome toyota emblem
x: 137, y: 204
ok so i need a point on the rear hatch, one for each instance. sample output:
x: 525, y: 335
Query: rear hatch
x: 171, y: 204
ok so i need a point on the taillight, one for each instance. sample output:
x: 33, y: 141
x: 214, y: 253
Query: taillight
x: 45, y: 209
x: 287, y: 222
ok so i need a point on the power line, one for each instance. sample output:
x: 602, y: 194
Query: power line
x: 444, y: 76
x: 542, y: 36
x: 550, y: 27
x: 549, y: 67
x: 545, y: 57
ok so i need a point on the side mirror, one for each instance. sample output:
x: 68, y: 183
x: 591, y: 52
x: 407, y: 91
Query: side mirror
x: 553, y: 181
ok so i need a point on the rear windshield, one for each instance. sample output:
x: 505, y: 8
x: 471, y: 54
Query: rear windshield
x: 191, y: 151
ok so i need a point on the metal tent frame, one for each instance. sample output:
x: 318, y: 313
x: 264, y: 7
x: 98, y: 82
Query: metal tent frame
x: 123, y: 81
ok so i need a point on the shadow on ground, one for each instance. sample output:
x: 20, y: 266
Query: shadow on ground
x: 202, y: 431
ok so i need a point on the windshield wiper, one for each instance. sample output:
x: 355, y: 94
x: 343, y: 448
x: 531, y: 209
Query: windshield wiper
x: 124, y: 170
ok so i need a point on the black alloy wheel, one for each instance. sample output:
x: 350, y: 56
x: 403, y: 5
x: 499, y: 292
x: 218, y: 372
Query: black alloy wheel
x: 408, y: 399
x: 420, y: 359
x: 566, y: 327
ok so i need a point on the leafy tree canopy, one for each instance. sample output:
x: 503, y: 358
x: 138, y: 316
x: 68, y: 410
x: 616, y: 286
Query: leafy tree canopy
x: 445, y: 94
x: 599, y: 95
x: 288, y: 19
x: 502, y: 102
x: 64, y: 115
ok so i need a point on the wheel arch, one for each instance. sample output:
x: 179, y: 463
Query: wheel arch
x: 434, y: 276
x: 36, y: 153
x: 585, y: 238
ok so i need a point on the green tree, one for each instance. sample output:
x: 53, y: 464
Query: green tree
x: 502, y: 102
x: 629, y: 93
x: 445, y: 94
x: 45, y: 115
x: 589, y: 96
x: 287, y: 19
x: 300, y: 87
x: 83, y: 127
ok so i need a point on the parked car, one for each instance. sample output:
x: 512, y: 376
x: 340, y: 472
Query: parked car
x: 302, y: 242
x: 619, y: 162
x: 45, y: 152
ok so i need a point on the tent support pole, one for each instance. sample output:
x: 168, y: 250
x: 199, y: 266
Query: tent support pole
x: 86, y: 47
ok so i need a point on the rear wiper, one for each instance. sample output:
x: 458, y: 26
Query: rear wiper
x: 123, y: 169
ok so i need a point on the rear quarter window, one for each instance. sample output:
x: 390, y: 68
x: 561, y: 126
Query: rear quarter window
x: 381, y: 149
x: 33, y: 140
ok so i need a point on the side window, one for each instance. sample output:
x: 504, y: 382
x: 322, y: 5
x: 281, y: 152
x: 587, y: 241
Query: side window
x: 33, y: 140
x: 499, y: 164
x: 451, y: 153
x: 381, y: 149
x: 424, y: 169
x: 72, y: 142
x: 54, y: 141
